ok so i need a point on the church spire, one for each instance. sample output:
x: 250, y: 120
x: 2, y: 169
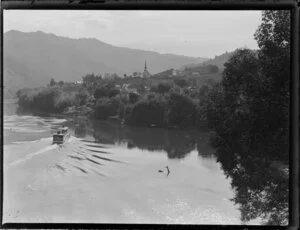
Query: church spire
x: 146, y: 74
x: 145, y: 66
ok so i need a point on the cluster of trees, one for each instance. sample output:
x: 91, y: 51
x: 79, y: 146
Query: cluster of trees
x: 163, y: 106
x: 249, y: 113
x: 251, y: 104
x: 55, y: 99
x: 55, y: 83
x: 204, y: 69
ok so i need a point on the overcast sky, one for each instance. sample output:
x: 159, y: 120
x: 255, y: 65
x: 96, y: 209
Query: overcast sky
x: 190, y: 33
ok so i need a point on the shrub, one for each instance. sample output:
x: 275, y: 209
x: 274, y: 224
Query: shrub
x: 146, y: 113
x: 106, y: 107
x: 181, y: 110
x: 181, y: 82
x: 106, y: 91
x: 161, y: 88
x: 133, y: 97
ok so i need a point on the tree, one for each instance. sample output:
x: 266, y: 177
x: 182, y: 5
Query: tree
x: 181, y: 82
x: 91, y: 80
x: 161, y: 88
x: 180, y: 110
x: 213, y: 69
x: 82, y: 97
x: 107, y: 90
x: 133, y: 97
x: 52, y: 82
x: 146, y: 113
x: 249, y: 112
x: 106, y: 107
x: 273, y: 38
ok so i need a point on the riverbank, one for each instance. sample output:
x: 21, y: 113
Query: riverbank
x: 169, y: 107
x: 88, y: 113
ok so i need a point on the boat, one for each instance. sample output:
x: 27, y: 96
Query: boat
x: 61, y: 136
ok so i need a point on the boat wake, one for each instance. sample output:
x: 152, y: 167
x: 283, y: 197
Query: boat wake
x: 29, y: 156
x: 75, y: 156
x: 85, y: 159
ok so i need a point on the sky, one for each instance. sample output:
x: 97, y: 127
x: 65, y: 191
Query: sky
x: 189, y: 33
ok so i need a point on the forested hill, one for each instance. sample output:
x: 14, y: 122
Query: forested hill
x: 218, y: 61
x: 32, y: 59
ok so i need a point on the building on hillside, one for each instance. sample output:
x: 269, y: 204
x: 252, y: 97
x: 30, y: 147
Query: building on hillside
x: 146, y: 74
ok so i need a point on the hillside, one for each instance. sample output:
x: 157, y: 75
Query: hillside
x: 32, y: 59
x: 218, y: 61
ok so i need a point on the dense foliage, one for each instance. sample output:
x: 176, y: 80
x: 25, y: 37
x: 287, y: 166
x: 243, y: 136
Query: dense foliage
x: 251, y: 104
x: 249, y: 113
x: 160, y: 105
x: 51, y: 100
x: 146, y: 113
x: 106, y: 107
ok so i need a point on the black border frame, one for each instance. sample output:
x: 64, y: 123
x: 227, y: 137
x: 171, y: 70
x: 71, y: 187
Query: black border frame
x: 180, y: 5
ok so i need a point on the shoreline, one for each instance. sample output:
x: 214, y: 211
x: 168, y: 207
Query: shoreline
x: 115, y: 119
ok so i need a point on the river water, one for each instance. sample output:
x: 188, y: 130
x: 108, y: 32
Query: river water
x: 109, y: 173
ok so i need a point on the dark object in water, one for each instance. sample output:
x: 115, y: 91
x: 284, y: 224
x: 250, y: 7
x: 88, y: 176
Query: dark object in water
x: 168, y: 170
x: 61, y: 136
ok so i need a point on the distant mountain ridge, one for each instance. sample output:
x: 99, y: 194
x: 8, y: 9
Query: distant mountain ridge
x: 218, y: 61
x: 31, y: 59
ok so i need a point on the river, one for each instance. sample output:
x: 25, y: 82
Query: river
x: 110, y: 173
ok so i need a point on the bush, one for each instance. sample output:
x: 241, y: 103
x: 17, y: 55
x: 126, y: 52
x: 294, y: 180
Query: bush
x: 133, y: 97
x: 181, y: 111
x: 82, y: 97
x: 181, y: 82
x: 161, y: 88
x: 121, y: 110
x: 51, y: 100
x: 106, y: 107
x: 106, y: 91
x: 146, y: 113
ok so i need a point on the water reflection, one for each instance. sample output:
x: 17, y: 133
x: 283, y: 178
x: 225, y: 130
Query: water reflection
x: 260, y: 185
x: 176, y: 143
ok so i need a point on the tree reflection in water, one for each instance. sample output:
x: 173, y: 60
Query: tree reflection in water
x: 261, y: 186
x: 176, y: 143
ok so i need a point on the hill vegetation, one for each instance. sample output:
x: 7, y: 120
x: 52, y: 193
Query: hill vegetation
x: 218, y: 61
x: 32, y: 59
x: 150, y: 104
